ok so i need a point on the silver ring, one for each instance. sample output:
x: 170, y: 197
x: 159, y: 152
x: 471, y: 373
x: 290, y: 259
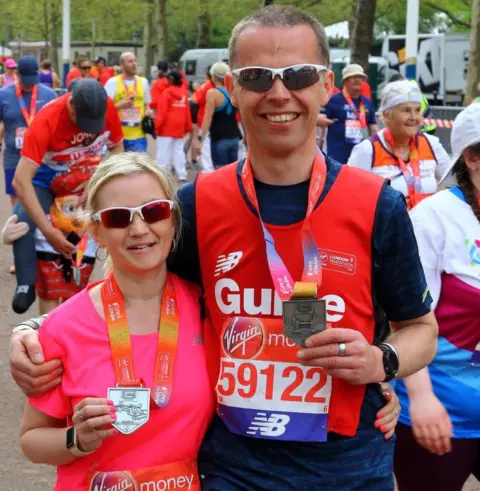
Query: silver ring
x: 396, y: 412
x: 342, y: 347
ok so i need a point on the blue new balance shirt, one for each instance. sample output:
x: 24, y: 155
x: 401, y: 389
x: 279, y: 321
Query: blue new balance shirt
x: 398, y: 288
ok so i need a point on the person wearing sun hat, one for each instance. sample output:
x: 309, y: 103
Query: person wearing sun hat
x: 10, y: 75
x: 353, y: 115
x: 441, y: 404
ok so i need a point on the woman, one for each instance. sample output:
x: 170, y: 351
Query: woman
x: 173, y: 121
x: 47, y: 76
x: 138, y: 261
x: 10, y: 75
x: 221, y: 120
x: 438, y: 440
x: 100, y: 427
x: 414, y: 162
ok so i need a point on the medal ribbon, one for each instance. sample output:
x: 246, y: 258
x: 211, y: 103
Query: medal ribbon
x: 362, y: 115
x: 285, y: 287
x: 33, y: 103
x: 413, y: 178
x: 120, y: 342
x: 127, y: 90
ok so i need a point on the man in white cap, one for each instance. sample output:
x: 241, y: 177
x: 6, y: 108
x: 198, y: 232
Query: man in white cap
x: 353, y: 115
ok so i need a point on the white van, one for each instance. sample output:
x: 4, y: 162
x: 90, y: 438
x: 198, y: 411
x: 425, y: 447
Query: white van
x: 194, y: 62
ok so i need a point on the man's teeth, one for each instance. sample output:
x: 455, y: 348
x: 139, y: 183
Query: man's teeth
x: 281, y: 118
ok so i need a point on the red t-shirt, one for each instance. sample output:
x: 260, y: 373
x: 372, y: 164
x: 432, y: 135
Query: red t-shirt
x: 54, y: 143
x: 156, y: 91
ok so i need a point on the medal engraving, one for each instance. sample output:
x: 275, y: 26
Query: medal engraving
x: 132, y: 405
x: 304, y: 317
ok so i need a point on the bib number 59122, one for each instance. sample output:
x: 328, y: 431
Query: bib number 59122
x: 261, y: 382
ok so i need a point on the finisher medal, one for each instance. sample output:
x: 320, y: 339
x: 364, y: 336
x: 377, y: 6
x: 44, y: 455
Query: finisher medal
x: 304, y: 317
x: 132, y: 405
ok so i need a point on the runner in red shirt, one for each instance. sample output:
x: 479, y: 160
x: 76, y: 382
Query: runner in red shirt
x: 100, y: 71
x: 159, y: 85
x: 70, y: 129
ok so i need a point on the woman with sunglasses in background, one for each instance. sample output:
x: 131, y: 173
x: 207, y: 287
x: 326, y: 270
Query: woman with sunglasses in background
x: 221, y: 120
x: 135, y: 399
x: 438, y: 438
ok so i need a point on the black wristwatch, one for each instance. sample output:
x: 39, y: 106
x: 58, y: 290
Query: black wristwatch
x: 391, y: 362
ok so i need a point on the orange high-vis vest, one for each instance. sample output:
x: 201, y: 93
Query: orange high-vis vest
x: 259, y: 376
x: 385, y: 164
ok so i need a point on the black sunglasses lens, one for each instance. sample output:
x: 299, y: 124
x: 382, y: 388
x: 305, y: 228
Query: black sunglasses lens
x: 300, y: 77
x: 256, y: 79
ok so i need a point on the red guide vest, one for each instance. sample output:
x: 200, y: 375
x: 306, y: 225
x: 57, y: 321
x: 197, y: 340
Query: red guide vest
x: 238, y: 285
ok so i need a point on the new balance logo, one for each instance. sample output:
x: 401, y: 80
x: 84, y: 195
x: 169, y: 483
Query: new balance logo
x: 227, y: 263
x: 274, y: 425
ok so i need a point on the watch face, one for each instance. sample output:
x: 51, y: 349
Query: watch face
x: 71, y: 437
x: 390, y: 361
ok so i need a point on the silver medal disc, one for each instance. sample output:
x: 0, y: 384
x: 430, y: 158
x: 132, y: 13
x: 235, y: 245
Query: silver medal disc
x: 132, y: 405
x: 304, y: 317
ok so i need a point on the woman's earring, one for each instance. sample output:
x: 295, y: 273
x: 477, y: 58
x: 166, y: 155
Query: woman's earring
x: 98, y: 256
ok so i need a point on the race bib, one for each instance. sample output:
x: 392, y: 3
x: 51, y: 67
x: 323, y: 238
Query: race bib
x: 354, y: 133
x: 130, y: 117
x: 175, y: 476
x: 262, y: 390
x: 19, y: 135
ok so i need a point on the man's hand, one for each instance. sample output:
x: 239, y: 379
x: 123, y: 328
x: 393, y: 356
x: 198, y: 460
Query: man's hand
x: 361, y: 363
x: 323, y: 121
x: 126, y: 103
x: 91, y: 419
x: 431, y: 424
x: 58, y: 241
x: 13, y: 230
x: 28, y: 367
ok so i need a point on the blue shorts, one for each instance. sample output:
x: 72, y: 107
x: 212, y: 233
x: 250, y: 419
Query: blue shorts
x: 230, y: 462
x: 9, y: 174
x: 138, y: 145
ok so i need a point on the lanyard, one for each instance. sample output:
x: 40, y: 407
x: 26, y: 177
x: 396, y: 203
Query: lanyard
x: 285, y: 287
x: 127, y: 90
x: 362, y: 115
x: 120, y: 342
x: 33, y: 103
x: 413, y: 178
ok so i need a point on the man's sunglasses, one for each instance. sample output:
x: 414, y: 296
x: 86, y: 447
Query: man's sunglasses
x: 122, y: 216
x: 85, y: 67
x: 296, y: 77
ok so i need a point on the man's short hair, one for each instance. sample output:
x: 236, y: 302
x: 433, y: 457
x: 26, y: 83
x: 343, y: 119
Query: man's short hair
x: 279, y: 16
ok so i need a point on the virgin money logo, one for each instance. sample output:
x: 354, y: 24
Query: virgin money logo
x: 112, y: 481
x: 243, y: 338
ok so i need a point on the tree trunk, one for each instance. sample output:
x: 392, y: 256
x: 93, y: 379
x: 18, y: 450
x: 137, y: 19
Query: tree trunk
x: 162, y: 30
x: 54, y: 28
x: 362, y: 35
x: 149, y: 36
x: 203, y: 23
x: 473, y: 77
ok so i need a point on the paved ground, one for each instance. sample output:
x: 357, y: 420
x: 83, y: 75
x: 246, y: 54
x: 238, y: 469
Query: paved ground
x: 16, y: 474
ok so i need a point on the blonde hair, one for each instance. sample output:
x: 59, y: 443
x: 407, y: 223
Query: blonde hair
x: 126, y: 164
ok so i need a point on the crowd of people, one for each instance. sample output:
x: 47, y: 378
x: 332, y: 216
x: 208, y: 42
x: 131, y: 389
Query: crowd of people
x: 249, y: 322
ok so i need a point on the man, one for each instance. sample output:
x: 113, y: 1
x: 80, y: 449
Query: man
x: 200, y: 95
x: 100, y: 71
x: 19, y: 104
x: 276, y: 402
x: 74, y: 127
x: 352, y: 113
x: 160, y: 84
x: 131, y: 95
x: 220, y: 121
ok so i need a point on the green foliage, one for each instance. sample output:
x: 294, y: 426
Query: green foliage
x: 119, y: 19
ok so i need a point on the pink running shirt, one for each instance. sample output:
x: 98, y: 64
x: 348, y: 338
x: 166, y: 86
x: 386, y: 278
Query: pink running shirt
x: 75, y: 333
